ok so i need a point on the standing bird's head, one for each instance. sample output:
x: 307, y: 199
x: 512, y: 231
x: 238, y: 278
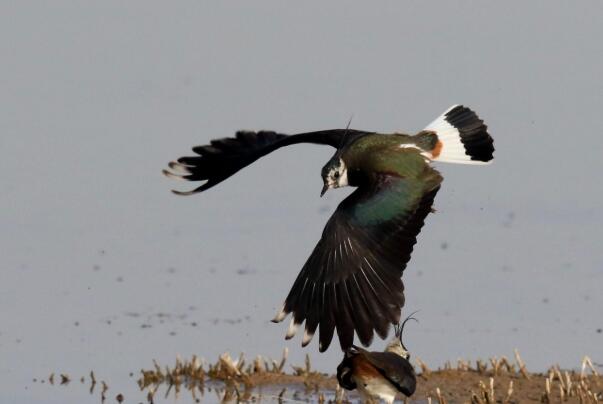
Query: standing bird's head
x: 334, y: 174
x: 396, y: 345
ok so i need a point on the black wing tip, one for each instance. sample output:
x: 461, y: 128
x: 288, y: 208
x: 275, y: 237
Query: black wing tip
x: 183, y: 193
x: 324, y: 343
x: 222, y: 158
x: 197, y: 190
x: 479, y: 145
x: 184, y: 172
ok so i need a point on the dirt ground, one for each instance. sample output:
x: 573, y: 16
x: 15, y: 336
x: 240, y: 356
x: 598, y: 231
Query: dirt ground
x: 473, y: 386
x: 458, y: 386
x: 496, y: 380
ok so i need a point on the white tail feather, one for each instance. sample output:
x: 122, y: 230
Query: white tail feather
x: 450, y: 147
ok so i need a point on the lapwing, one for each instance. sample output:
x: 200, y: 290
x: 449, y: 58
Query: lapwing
x: 352, y: 280
x: 379, y: 375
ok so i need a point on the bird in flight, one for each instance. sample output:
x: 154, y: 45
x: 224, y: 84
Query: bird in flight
x: 352, y: 280
x: 379, y: 375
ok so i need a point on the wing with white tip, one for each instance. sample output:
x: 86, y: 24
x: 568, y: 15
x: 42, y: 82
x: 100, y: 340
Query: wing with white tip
x: 352, y: 280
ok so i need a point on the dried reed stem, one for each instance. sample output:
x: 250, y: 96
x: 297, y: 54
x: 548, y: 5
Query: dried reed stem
x: 509, y: 392
x: 441, y: 399
x: 522, y: 365
x: 424, y: 368
x: 587, y: 362
x: 495, y: 365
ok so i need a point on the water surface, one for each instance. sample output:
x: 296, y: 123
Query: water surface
x: 102, y: 268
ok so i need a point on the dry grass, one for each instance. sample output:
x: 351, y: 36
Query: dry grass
x: 497, y: 380
x: 501, y: 381
x: 234, y: 380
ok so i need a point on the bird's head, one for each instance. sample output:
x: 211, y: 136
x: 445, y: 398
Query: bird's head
x: 334, y: 174
x: 396, y: 345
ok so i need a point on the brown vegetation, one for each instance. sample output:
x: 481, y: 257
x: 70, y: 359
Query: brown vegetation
x: 498, y: 380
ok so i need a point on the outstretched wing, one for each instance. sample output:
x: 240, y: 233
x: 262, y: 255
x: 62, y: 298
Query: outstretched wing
x: 351, y: 281
x: 224, y: 157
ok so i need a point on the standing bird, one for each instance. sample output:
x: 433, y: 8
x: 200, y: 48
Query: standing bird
x: 352, y: 280
x: 379, y: 375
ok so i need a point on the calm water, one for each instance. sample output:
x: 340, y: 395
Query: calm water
x: 102, y: 268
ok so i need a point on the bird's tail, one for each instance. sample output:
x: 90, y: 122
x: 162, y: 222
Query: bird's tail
x: 460, y: 137
x: 222, y: 158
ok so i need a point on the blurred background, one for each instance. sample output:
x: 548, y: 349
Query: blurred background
x: 103, y: 268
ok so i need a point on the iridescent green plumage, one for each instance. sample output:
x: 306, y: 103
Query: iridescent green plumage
x: 352, y: 280
x: 375, y: 159
x: 367, y: 242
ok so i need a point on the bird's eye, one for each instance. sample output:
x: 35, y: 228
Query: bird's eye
x: 336, y: 175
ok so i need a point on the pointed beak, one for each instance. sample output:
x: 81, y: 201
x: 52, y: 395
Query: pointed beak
x: 325, y: 188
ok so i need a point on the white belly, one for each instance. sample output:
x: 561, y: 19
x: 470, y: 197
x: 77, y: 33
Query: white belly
x: 376, y: 388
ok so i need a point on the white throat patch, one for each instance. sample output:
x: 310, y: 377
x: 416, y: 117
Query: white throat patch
x: 343, y: 177
x: 342, y: 181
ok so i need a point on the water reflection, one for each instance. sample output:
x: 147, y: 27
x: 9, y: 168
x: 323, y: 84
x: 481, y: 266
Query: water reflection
x: 240, y: 381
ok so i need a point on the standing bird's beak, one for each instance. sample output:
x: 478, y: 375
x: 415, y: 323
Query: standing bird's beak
x: 325, y: 188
